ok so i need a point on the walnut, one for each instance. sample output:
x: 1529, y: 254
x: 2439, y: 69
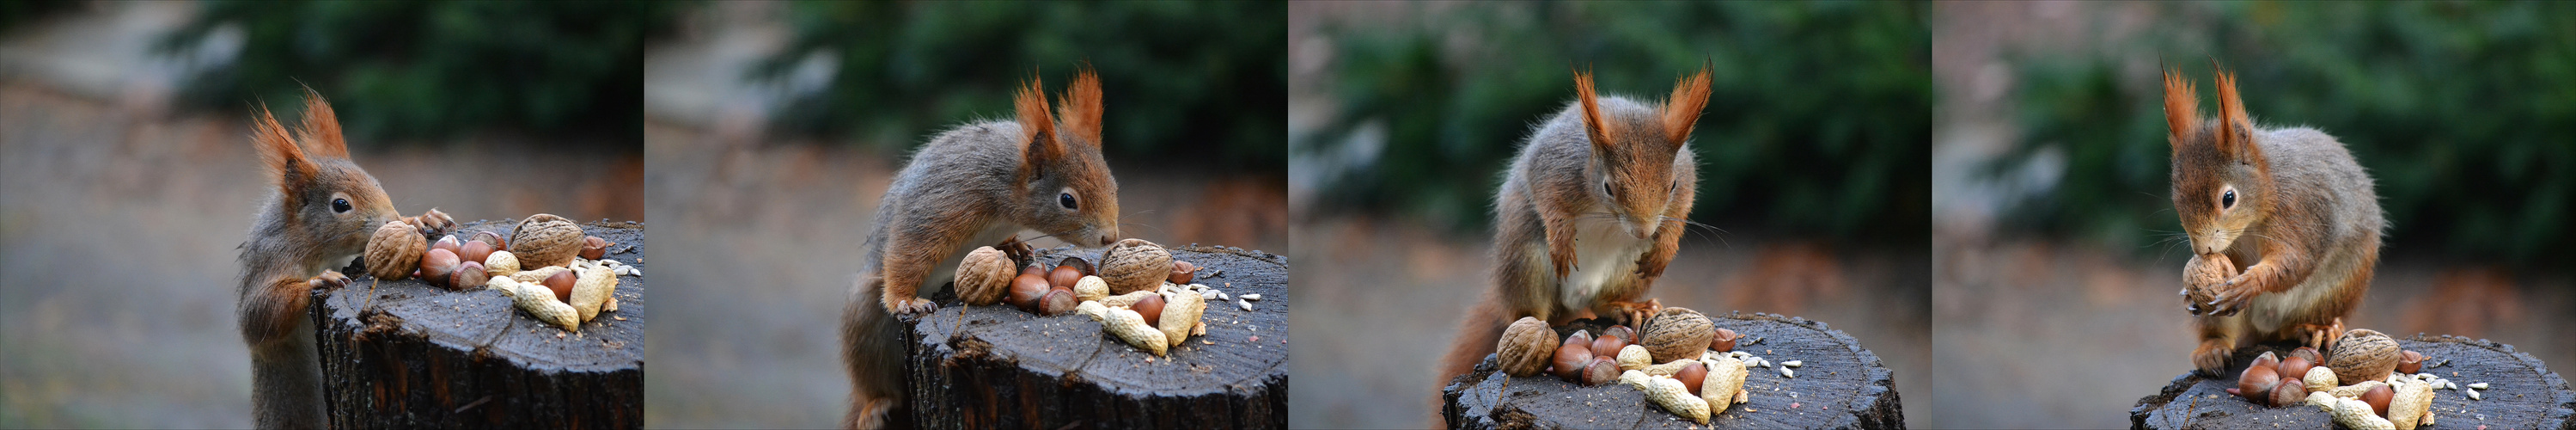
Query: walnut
x: 1135, y: 265
x: 395, y: 250
x: 1525, y: 347
x: 984, y: 276
x: 2202, y: 276
x: 545, y: 240
x: 2363, y: 355
x: 1678, y: 333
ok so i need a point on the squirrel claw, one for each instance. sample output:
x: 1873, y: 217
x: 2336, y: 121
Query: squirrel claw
x: 1636, y: 314
x: 432, y: 223
x: 913, y: 306
x: 328, y: 280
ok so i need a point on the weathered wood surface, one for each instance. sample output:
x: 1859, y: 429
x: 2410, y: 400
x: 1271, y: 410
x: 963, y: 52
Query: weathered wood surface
x: 405, y: 354
x: 1842, y: 385
x: 2522, y: 393
x: 998, y: 367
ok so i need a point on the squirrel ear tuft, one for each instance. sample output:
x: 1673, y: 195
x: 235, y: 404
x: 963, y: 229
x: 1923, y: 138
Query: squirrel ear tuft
x: 1080, y: 107
x: 284, y: 161
x: 322, y: 127
x: 1600, y: 132
x: 1035, y: 127
x: 2182, y: 116
x: 1690, y: 94
x: 2235, y: 128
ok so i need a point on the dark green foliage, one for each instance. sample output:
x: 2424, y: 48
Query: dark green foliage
x: 2464, y: 113
x: 16, y: 13
x: 1195, y: 83
x: 434, y: 70
x: 1817, y: 125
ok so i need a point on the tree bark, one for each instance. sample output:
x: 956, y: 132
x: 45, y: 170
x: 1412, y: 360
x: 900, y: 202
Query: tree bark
x: 999, y: 367
x: 1840, y: 385
x: 2522, y: 393
x: 404, y: 354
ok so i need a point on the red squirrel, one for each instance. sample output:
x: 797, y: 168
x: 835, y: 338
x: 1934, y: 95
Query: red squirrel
x: 1588, y: 216
x: 2287, y: 206
x: 973, y: 185
x: 318, y: 217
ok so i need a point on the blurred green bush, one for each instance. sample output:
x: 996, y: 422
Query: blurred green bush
x: 1817, y: 127
x: 1197, y: 83
x: 2463, y: 112
x: 431, y: 70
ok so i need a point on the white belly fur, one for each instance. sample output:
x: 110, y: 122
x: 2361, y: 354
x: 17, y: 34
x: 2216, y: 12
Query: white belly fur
x: 2265, y: 313
x: 938, y: 277
x: 1603, y: 252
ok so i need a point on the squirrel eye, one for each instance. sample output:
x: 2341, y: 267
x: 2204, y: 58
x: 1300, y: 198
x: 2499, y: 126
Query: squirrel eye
x: 1065, y: 199
x: 1605, y: 189
x: 2227, y: 200
x: 339, y: 205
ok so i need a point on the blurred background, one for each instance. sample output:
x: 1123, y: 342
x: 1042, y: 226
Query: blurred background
x: 1402, y: 117
x: 127, y: 176
x: 2051, y: 192
x: 774, y: 128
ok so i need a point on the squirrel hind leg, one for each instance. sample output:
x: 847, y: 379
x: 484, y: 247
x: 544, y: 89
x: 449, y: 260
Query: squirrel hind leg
x: 2217, y: 344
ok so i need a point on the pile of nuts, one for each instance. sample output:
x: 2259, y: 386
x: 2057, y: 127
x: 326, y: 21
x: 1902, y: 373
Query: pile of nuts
x: 1700, y: 374
x: 1133, y: 293
x: 547, y: 266
x: 2365, y: 381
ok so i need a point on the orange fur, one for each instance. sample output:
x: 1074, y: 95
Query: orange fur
x: 1690, y: 94
x: 2182, y: 112
x: 322, y: 127
x: 1035, y: 127
x: 1080, y: 108
x: 1603, y: 134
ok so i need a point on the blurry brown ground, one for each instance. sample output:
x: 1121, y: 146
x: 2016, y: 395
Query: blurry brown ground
x: 2009, y: 306
x: 1390, y: 294
x: 769, y: 230
x: 119, y: 222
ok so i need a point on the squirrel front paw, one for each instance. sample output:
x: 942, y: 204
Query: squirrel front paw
x: 2233, y: 296
x: 432, y: 223
x: 2211, y: 357
x: 911, y: 306
x: 328, y: 280
x: 1635, y: 314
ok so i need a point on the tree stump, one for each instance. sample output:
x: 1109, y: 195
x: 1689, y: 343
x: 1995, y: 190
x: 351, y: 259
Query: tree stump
x: 404, y: 354
x: 2521, y: 394
x: 998, y: 367
x: 1841, y: 385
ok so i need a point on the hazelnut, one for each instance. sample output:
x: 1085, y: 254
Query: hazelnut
x: 1152, y: 307
x: 2257, y: 382
x: 1678, y: 333
x: 1602, y: 370
x: 2363, y: 355
x: 1135, y: 265
x: 2314, y: 357
x: 468, y: 275
x: 394, y: 251
x: 2378, y: 398
x: 1034, y: 269
x: 1724, y: 341
x: 1025, y: 291
x: 1571, y: 356
x: 593, y: 247
x: 1622, y: 332
x: 448, y: 243
x: 475, y: 250
x: 2410, y: 362
x: 491, y: 238
x: 561, y: 283
x: 1064, y: 275
x: 545, y: 240
x: 1182, y: 273
x: 1078, y: 264
x: 2288, y: 394
x: 436, y: 266
x: 1058, y: 301
x: 1608, y: 344
x: 1691, y: 374
x: 2295, y: 367
x: 983, y: 277
x: 1525, y: 347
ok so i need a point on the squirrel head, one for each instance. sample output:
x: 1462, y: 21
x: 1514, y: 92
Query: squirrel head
x: 325, y: 200
x: 1064, y: 187
x: 2221, y: 184
x: 1632, y: 157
